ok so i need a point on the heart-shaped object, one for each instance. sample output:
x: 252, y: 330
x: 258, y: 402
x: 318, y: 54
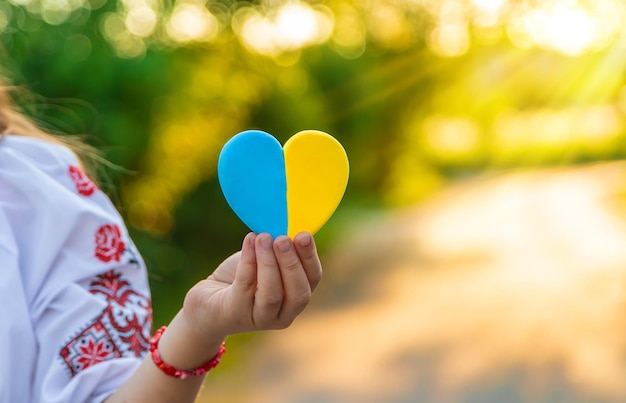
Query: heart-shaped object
x: 283, y: 190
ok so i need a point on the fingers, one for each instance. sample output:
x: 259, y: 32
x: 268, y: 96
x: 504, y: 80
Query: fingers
x: 275, y: 278
x: 269, y: 294
x: 246, y: 275
x: 297, y: 291
x: 305, y: 246
x: 245, y: 282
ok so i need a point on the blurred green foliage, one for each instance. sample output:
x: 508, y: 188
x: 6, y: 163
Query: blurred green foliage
x: 419, y: 93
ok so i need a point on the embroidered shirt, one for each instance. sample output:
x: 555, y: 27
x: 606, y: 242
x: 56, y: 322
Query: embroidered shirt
x: 75, y: 313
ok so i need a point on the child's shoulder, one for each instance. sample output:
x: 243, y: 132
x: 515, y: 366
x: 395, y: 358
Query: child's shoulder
x: 42, y: 153
x: 37, y: 171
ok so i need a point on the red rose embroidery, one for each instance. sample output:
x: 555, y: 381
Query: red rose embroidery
x: 109, y: 244
x: 84, y: 185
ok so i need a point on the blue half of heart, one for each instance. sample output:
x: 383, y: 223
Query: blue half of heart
x: 251, y: 173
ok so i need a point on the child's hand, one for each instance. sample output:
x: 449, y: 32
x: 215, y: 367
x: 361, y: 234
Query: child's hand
x: 265, y: 286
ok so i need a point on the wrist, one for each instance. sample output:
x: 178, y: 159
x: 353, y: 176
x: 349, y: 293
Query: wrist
x: 183, y: 346
x: 178, y: 373
x: 206, y: 320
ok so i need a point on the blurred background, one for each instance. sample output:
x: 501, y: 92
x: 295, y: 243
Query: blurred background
x: 479, y: 254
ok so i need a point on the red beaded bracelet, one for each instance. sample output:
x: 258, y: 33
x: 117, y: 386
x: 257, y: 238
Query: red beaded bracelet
x: 179, y: 373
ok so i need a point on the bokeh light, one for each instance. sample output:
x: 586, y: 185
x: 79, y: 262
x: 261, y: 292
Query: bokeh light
x: 451, y: 139
x: 192, y: 22
x: 567, y: 26
x: 141, y: 21
x: 5, y: 17
x: 54, y: 12
x: 290, y: 27
x: 591, y: 129
x: 350, y: 35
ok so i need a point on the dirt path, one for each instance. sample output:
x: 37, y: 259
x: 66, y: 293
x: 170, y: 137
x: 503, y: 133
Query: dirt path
x: 500, y: 290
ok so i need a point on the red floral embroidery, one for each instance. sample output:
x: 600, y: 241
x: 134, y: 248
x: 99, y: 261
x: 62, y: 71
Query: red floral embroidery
x: 93, y: 353
x: 89, y: 347
x: 129, y: 312
x: 122, y: 329
x: 84, y: 185
x: 114, y: 288
x: 109, y: 244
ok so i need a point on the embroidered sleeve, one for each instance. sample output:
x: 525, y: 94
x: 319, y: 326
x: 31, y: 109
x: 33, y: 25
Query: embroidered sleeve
x: 81, y: 279
x: 122, y: 329
x: 112, y: 325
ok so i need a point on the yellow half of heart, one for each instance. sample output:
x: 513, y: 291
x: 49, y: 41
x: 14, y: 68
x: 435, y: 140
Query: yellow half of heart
x: 316, y: 166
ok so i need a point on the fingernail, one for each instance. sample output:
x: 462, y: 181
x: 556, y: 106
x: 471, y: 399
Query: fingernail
x: 305, y: 240
x: 283, y: 245
x: 251, y: 238
x: 266, y: 241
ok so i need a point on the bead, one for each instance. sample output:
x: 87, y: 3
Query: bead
x: 175, y: 372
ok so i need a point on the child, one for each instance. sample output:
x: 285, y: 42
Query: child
x: 74, y: 298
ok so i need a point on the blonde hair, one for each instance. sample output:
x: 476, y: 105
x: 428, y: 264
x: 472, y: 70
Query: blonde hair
x: 13, y: 122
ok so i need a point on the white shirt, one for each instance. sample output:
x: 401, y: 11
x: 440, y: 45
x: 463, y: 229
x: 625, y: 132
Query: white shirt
x: 75, y: 312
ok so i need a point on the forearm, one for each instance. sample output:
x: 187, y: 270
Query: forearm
x: 181, y: 347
